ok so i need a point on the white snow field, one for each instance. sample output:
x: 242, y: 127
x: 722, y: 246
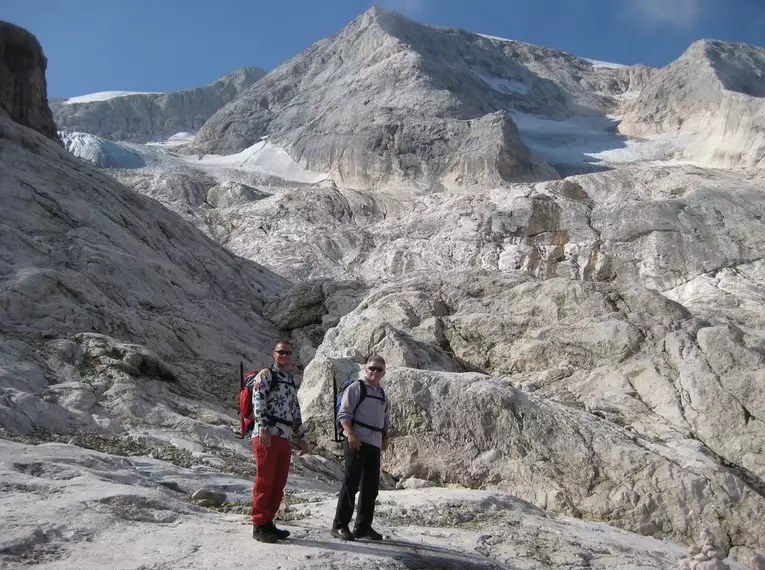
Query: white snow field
x: 604, y: 64
x: 105, y: 96
x: 594, y: 141
x: 262, y: 158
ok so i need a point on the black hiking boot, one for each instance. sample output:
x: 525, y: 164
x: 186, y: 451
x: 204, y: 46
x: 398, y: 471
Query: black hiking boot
x: 264, y: 533
x: 369, y: 533
x: 343, y: 533
x: 280, y: 533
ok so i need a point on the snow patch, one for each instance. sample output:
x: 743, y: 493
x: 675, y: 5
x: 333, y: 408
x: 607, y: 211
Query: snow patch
x: 177, y: 139
x: 625, y: 97
x: 185, y: 136
x: 507, y: 86
x: 261, y: 158
x: 594, y: 140
x: 105, y: 96
x: 604, y: 64
x: 494, y: 38
x: 651, y: 149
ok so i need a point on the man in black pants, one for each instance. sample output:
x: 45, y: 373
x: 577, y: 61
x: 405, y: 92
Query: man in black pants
x: 364, y: 414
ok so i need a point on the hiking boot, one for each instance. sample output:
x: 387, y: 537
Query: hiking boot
x: 343, y: 533
x: 264, y: 533
x: 280, y: 533
x: 369, y: 533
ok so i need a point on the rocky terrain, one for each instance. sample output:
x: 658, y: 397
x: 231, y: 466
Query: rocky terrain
x: 573, y: 318
x: 130, y: 512
x: 103, y: 287
x: 601, y: 401
x: 144, y: 117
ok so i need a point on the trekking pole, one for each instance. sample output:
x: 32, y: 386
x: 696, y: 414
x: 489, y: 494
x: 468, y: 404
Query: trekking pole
x: 241, y: 387
x: 334, y: 406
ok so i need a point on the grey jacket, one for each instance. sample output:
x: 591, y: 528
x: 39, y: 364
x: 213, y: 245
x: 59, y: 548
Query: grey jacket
x: 372, y: 411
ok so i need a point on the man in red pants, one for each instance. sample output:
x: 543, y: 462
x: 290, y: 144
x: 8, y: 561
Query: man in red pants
x: 277, y: 421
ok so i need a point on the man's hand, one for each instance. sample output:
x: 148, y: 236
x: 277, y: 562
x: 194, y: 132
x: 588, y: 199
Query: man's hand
x: 303, y: 447
x: 384, y: 445
x: 265, y: 438
x: 353, y: 441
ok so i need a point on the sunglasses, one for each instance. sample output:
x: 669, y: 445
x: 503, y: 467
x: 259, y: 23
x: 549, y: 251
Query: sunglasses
x: 375, y: 369
x: 283, y: 352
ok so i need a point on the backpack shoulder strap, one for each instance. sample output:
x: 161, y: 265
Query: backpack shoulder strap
x: 382, y: 398
x: 275, y: 379
x: 362, y: 396
x: 272, y: 381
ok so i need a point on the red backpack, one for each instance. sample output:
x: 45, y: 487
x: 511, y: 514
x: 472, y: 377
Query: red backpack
x: 246, y: 412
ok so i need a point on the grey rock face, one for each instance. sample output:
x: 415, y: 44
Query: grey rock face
x: 311, y: 308
x: 716, y: 89
x: 634, y: 418
x: 115, y: 312
x: 193, y: 194
x: 693, y: 234
x: 230, y: 194
x: 690, y: 233
x: 390, y: 101
x: 143, y: 117
x: 23, y: 89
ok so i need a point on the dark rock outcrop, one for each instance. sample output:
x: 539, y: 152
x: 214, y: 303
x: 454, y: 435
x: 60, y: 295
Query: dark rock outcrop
x: 23, y: 89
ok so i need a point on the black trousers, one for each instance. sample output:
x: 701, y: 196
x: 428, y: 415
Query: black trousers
x: 362, y: 467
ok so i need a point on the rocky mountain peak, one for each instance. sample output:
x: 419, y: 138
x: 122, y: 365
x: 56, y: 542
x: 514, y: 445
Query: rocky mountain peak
x: 388, y: 101
x: 739, y: 67
x: 715, y: 90
x: 372, y: 14
x: 23, y: 89
x: 241, y: 74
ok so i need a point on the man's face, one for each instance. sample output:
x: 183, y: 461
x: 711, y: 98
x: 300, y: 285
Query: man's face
x: 375, y: 372
x: 283, y: 356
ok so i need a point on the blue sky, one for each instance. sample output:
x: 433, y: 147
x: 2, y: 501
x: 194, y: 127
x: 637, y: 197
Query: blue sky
x: 164, y: 45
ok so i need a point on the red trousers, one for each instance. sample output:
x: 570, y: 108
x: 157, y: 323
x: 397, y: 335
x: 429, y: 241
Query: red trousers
x: 273, y: 465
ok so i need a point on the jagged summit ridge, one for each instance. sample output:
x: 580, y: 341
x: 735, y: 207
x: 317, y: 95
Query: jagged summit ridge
x: 141, y: 117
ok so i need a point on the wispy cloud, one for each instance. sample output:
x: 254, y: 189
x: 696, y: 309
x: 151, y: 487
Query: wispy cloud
x: 411, y: 8
x: 678, y: 13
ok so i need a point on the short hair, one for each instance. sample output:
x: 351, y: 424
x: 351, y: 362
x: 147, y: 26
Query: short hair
x: 376, y: 359
x: 284, y: 342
